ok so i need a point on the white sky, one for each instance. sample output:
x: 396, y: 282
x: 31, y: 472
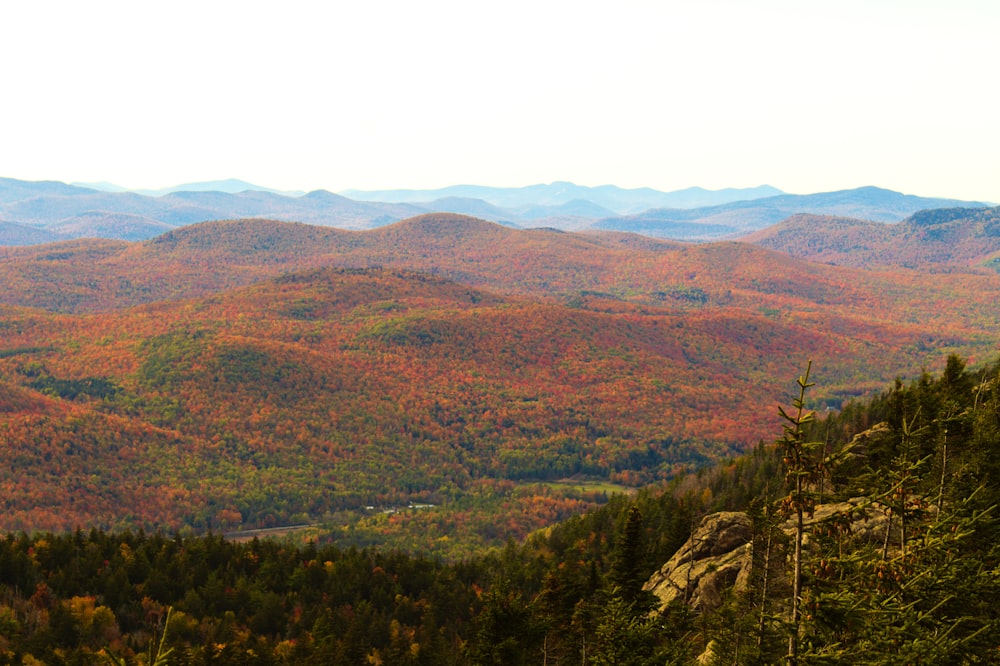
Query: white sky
x: 806, y: 96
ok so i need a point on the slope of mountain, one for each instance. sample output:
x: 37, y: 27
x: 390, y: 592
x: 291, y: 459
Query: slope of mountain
x: 48, y: 209
x: 579, y: 208
x: 936, y: 239
x: 733, y: 219
x: 12, y: 234
x: 12, y: 190
x: 114, y: 226
x: 473, y: 207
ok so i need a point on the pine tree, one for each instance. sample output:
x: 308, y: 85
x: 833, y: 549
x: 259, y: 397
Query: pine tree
x: 801, y: 469
x: 629, y: 570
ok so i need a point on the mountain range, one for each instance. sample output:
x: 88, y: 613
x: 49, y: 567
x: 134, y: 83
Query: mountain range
x: 33, y: 212
x: 229, y: 185
x: 739, y: 218
x: 554, y: 195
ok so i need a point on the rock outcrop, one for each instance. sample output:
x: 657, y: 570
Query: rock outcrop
x: 718, y: 556
x: 715, y: 558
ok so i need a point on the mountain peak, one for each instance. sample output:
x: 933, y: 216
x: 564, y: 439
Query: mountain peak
x: 323, y: 195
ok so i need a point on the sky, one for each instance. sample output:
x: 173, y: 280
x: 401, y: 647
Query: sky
x: 807, y: 96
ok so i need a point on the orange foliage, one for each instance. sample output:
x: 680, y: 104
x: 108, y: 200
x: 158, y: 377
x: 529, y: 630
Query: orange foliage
x: 327, y: 389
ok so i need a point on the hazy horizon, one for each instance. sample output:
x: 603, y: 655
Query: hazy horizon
x: 351, y: 193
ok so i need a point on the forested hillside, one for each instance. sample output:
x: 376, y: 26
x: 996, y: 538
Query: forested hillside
x: 940, y: 240
x: 335, y: 390
x: 256, y: 374
x: 102, y: 275
x: 909, y: 576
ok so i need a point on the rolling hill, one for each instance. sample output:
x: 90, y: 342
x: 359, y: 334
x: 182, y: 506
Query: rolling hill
x: 303, y: 395
x: 956, y: 238
x: 80, y: 276
x: 242, y: 401
x: 620, y: 271
x: 261, y: 373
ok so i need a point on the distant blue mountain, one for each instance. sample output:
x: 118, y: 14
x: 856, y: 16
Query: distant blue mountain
x: 609, y: 197
x: 12, y: 189
x: 576, y: 208
x: 472, y: 207
x: 741, y: 217
x: 85, y: 211
x: 62, y: 209
x: 229, y: 185
x: 102, y: 210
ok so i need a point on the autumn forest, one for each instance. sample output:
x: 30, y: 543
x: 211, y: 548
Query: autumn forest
x: 449, y: 441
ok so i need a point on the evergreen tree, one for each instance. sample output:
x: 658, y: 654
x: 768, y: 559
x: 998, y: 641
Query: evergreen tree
x: 630, y: 569
x: 801, y: 469
x: 505, y: 633
x: 622, y: 637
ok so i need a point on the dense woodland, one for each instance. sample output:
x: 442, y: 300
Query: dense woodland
x: 293, y: 401
x: 924, y: 592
